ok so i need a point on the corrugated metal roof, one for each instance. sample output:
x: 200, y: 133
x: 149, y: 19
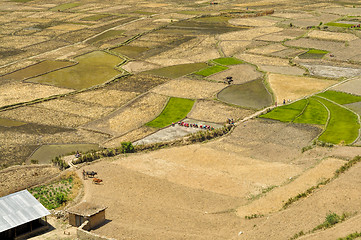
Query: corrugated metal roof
x: 19, y: 208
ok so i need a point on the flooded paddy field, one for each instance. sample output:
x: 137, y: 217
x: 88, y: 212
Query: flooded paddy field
x: 251, y: 94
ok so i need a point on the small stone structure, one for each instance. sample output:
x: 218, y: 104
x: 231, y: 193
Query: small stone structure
x: 94, y: 214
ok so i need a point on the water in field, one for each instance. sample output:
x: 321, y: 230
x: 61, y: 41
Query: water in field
x: 46, y: 153
x: 251, y: 94
x: 93, y: 69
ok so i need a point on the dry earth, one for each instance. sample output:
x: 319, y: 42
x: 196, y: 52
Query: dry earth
x: 187, y: 88
x: 295, y: 87
x: 240, y: 74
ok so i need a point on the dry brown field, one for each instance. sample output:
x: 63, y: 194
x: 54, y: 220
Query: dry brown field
x: 295, y: 87
x: 197, y: 191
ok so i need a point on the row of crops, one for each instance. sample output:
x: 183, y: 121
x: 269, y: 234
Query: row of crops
x: 341, y: 125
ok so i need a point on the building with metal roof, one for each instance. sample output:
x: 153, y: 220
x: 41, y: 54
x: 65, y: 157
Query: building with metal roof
x: 20, y: 214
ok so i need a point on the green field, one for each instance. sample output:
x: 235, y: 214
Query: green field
x: 315, y: 113
x: 130, y: 51
x: 93, y: 69
x: 36, y: 69
x: 334, y: 24
x: 340, y: 97
x: 95, y: 17
x: 177, y: 71
x: 342, y: 127
x: 313, y: 54
x: 66, y: 6
x: 4, y: 122
x: 107, y: 35
x: 46, y: 153
x: 227, y: 61
x: 251, y: 94
x: 286, y: 113
x: 211, y: 70
x: 176, y: 109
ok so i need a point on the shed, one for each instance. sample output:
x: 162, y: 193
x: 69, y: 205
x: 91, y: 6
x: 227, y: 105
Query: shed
x: 21, y: 216
x: 94, y: 214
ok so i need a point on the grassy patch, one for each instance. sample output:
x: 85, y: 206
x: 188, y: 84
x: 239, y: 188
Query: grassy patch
x: 286, y: 113
x: 23, y: 1
x: 130, y: 51
x: 251, y: 94
x: 317, y: 51
x: 95, y: 17
x: 177, y: 70
x: 313, y: 54
x: 107, y: 35
x: 143, y: 12
x: 57, y: 193
x: 4, y: 122
x: 334, y: 24
x: 176, y: 109
x: 36, y: 69
x: 213, y: 19
x: 315, y: 113
x: 65, y: 6
x: 343, y: 126
x: 93, y: 69
x: 351, y: 236
x: 331, y: 219
x: 194, y: 12
x: 211, y: 70
x: 227, y: 61
x: 340, y: 97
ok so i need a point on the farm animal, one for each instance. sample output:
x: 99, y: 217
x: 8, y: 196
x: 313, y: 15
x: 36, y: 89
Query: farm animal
x: 97, y: 180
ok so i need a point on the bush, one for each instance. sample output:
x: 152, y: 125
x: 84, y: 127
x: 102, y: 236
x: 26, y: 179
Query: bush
x: 34, y: 161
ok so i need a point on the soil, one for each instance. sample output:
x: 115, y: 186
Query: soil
x: 187, y: 88
x: 17, y: 178
x: 214, y: 111
x: 331, y: 71
x: 131, y: 116
x: 262, y: 60
x: 353, y: 86
x: 240, y: 74
x: 287, y: 70
x: 295, y: 87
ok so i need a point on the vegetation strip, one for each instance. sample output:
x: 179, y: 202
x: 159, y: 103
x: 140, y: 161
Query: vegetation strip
x: 227, y: 61
x: 340, y: 97
x: 351, y: 236
x: 175, y: 110
x: 343, y: 127
x: 211, y: 70
x: 286, y: 113
x: 314, y: 113
x: 338, y: 172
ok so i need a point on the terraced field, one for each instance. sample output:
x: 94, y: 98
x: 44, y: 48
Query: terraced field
x: 81, y: 75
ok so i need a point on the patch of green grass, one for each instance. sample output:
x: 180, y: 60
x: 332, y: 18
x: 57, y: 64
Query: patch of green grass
x: 4, y: 122
x: 286, y: 113
x: 177, y: 71
x: 331, y: 219
x: 130, y: 51
x: 213, y: 19
x: 343, y: 126
x: 351, y: 236
x: 176, y: 109
x: 23, y: 1
x: 340, y: 97
x: 211, y: 70
x: 107, y: 35
x: 227, y: 61
x: 143, y: 12
x: 195, y: 12
x: 317, y: 51
x: 95, y: 17
x: 334, y: 24
x: 315, y: 113
x: 65, y: 6
x: 94, y: 68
